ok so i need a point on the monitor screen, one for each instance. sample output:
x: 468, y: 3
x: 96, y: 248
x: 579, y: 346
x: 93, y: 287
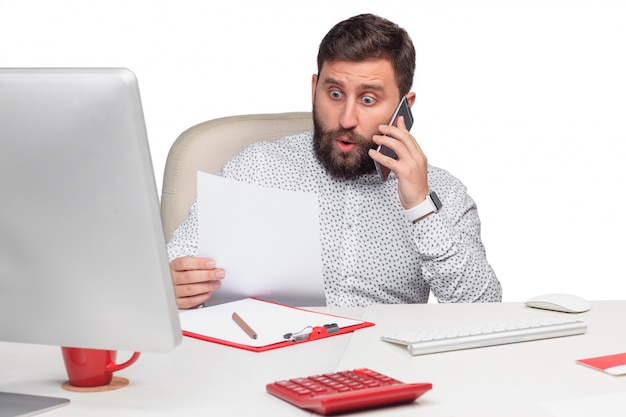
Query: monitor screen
x: 82, y: 252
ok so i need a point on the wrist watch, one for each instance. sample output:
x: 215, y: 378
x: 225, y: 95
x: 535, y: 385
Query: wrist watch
x: 432, y: 204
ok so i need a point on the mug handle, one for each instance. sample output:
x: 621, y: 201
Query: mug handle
x: 119, y: 366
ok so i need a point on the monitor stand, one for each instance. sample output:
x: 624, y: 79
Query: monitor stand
x: 22, y: 405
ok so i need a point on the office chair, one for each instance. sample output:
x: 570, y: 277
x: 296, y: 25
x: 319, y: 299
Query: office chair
x: 209, y: 145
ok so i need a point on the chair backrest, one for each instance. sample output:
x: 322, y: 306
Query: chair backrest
x: 209, y: 145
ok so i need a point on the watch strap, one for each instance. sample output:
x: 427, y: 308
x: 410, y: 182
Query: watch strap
x: 431, y: 204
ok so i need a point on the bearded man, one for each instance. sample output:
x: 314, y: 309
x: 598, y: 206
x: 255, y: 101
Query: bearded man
x: 383, y: 241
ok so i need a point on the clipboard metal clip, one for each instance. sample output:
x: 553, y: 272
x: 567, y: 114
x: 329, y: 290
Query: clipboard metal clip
x: 317, y: 332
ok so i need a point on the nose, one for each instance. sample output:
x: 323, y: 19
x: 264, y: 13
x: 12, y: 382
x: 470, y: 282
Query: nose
x: 348, y: 117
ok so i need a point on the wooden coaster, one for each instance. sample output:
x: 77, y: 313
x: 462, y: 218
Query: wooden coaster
x: 116, y: 383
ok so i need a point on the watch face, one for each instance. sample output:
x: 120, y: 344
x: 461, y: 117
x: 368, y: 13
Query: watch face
x: 435, y: 200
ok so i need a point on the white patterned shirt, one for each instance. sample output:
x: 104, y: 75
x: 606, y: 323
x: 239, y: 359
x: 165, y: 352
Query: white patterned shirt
x: 371, y: 253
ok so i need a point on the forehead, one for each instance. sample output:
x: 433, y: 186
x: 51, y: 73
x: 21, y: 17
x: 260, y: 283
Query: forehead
x: 371, y: 74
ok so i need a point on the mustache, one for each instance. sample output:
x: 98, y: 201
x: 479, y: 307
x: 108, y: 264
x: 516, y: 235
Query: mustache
x: 347, y: 134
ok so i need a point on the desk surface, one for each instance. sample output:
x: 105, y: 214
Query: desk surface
x: 532, y: 378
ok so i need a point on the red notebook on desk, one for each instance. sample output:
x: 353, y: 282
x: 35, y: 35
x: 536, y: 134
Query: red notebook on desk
x: 274, y: 325
x: 611, y: 364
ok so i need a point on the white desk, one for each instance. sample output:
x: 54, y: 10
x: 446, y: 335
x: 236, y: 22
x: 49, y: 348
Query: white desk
x: 201, y: 377
x: 507, y: 380
x: 198, y: 378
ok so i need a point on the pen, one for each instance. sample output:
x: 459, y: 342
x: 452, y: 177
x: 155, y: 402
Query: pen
x: 244, y: 326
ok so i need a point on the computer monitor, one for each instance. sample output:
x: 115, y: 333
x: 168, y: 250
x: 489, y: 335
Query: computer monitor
x: 82, y: 251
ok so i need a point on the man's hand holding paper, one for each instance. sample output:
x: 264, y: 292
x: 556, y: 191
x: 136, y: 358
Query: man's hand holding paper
x: 195, y: 280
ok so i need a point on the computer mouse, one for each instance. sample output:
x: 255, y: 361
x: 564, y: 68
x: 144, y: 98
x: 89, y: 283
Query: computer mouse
x: 565, y: 303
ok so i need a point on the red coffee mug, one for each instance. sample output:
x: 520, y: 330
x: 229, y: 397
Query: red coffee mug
x: 92, y: 367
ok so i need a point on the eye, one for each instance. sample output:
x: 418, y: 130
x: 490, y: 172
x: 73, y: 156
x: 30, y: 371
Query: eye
x: 335, y: 94
x: 368, y: 100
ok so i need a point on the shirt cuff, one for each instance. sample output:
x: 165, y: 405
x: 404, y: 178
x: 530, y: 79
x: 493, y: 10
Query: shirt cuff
x: 433, y: 236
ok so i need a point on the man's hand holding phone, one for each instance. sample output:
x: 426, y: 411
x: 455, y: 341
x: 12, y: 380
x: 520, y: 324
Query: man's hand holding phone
x: 399, y: 152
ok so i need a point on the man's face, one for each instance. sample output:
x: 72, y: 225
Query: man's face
x: 350, y: 101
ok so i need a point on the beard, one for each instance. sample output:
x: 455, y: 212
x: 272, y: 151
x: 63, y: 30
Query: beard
x: 342, y: 165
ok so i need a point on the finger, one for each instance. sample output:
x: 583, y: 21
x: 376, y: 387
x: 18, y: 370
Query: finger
x: 394, y: 144
x: 400, y: 134
x: 197, y: 276
x: 199, y: 288
x: 190, y: 263
x: 192, y: 302
x: 400, y: 123
x: 383, y: 159
x: 192, y: 295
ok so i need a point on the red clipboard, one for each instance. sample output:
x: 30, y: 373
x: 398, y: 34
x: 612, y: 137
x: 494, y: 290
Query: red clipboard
x: 321, y: 330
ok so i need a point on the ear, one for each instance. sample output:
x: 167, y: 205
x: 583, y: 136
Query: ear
x: 313, y: 86
x: 411, y: 97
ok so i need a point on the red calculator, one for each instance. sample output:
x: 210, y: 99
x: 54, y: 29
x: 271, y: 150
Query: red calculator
x: 346, y: 391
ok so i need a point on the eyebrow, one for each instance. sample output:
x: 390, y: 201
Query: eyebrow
x: 371, y: 87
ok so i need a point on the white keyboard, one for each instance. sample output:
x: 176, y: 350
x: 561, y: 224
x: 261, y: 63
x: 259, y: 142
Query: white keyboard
x: 486, y: 334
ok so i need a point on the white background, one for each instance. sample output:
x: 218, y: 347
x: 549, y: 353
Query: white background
x: 525, y: 101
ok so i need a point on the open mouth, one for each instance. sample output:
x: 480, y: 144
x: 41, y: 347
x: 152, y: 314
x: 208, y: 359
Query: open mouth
x: 345, y: 146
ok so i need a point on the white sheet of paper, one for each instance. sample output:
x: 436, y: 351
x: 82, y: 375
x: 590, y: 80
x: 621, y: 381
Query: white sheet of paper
x: 267, y: 240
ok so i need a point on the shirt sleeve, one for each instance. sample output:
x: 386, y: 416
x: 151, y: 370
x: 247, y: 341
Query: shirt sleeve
x: 452, y: 255
x: 184, y: 240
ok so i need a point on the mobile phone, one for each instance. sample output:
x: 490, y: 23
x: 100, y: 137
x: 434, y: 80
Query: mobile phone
x: 403, y: 110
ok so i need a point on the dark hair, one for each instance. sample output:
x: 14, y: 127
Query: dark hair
x: 368, y: 36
